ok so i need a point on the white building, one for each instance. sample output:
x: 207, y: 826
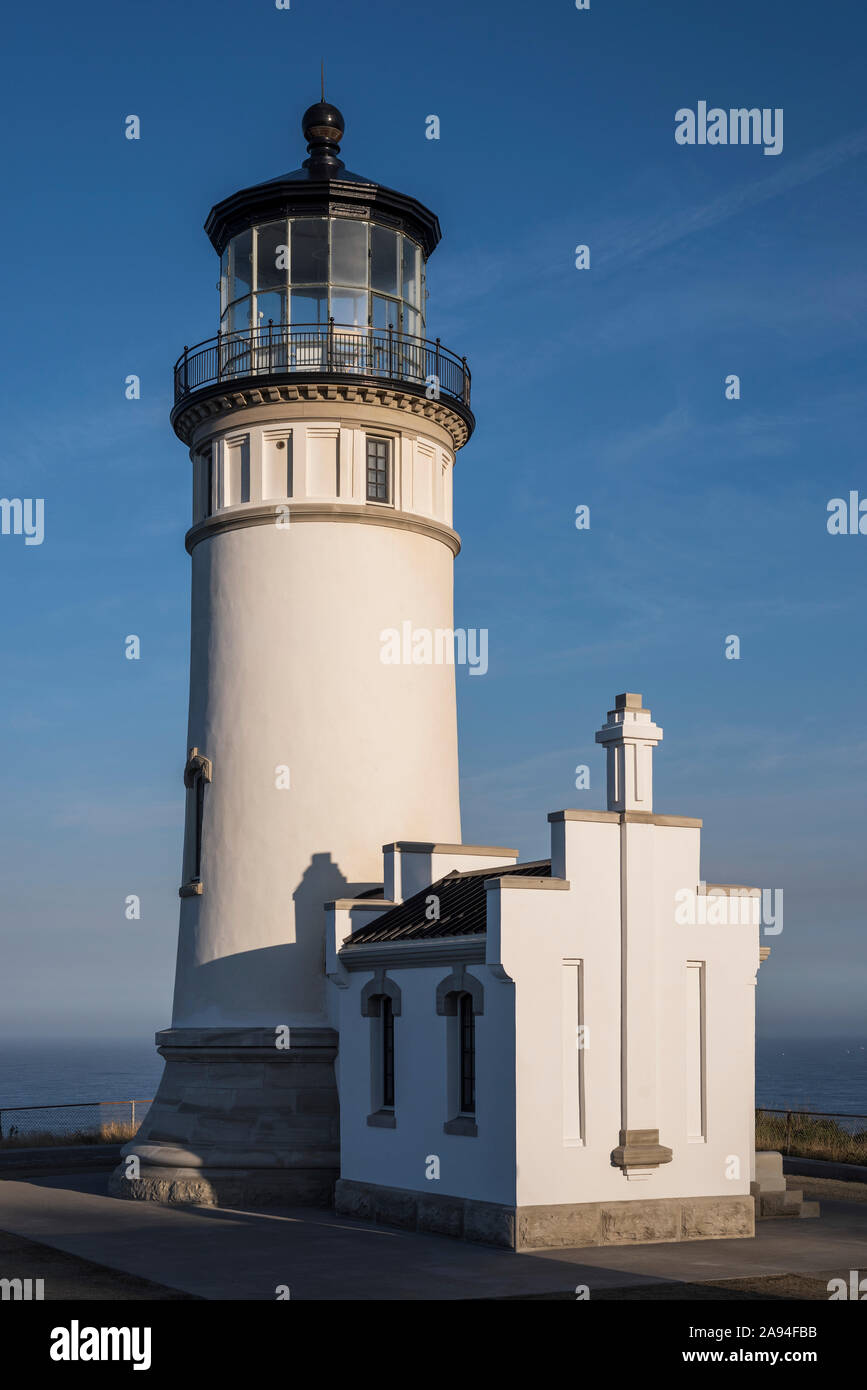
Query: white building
x: 532, y: 1054
x: 543, y: 1054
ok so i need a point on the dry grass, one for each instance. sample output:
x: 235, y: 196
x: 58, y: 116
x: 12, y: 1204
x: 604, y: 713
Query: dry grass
x: 810, y: 1136
x: 113, y: 1132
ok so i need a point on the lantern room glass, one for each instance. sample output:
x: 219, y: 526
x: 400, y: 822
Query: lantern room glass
x: 304, y: 270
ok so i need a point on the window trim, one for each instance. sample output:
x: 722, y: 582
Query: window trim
x: 450, y: 994
x: 388, y: 441
x: 376, y: 994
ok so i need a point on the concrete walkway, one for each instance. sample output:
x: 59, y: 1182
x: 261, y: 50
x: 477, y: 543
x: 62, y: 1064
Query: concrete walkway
x: 217, y: 1253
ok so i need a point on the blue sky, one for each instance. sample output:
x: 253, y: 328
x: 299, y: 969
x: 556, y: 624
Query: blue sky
x: 603, y: 387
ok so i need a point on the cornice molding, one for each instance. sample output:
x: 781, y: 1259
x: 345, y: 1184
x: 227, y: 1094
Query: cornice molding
x: 626, y: 818
x: 238, y: 394
x: 267, y: 514
x: 443, y: 950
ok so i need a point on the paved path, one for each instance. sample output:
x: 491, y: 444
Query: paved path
x: 218, y: 1253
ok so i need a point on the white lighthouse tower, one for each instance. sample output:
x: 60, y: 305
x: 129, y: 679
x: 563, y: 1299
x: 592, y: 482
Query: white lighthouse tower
x: 322, y: 424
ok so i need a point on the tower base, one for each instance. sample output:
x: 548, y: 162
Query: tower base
x: 238, y: 1120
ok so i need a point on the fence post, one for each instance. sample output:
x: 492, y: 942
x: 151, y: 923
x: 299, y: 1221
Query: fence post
x: 132, y: 1105
x: 186, y: 384
x: 788, y: 1130
x: 219, y: 354
x: 270, y: 332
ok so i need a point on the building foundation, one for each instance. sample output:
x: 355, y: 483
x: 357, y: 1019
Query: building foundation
x: 574, y: 1224
x: 239, y: 1119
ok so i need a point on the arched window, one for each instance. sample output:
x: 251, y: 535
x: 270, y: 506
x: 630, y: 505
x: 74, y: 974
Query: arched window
x: 460, y: 998
x: 467, y: 1054
x: 386, y: 1017
x: 381, y: 1003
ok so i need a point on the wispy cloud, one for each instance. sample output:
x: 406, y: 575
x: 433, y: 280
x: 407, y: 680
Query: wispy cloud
x: 640, y: 238
x: 622, y: 243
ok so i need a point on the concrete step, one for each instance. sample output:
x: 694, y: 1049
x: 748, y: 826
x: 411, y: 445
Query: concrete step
x: 788, y: 1204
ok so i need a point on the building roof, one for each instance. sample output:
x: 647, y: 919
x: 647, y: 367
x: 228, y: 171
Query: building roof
x: 323, y: 186
x: 462, y: 907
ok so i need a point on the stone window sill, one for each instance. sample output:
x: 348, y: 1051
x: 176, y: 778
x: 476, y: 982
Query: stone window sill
x: 382, y: 1119
x: 462, y: 1124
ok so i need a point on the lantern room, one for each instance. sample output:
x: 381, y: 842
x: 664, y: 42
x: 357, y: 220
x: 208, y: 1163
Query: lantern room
x: 308, y: 270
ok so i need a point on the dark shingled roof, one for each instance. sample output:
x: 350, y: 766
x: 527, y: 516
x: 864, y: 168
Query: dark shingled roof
x: 461, y: 912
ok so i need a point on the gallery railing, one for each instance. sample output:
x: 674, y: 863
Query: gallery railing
x: 314, y: 349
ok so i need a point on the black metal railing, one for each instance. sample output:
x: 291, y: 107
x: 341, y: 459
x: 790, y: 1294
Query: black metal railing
x: 314, y: 349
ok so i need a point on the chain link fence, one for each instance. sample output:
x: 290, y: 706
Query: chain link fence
x: 85, y: 1122
x: 840, y: 1138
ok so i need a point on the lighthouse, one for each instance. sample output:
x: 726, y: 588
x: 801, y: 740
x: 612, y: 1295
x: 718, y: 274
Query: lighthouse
x: 322, y: 422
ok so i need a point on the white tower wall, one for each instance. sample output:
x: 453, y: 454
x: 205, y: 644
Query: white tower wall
x: 286, y: 671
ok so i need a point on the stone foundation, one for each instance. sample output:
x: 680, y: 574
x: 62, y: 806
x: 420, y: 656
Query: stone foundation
x: 641, y: 1222
x: 238, y: 1121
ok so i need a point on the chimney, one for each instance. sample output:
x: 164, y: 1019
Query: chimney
x: 629, y: 738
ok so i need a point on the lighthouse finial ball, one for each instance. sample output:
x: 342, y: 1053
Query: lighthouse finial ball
x: 322, y: 123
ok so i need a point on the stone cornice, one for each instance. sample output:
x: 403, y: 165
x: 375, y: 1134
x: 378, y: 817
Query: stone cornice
x: 627, y: 818
x: 245, y: 392
x: 429, y: 847
x: 267, y: 514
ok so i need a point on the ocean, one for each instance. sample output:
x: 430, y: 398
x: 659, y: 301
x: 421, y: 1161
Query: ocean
x: 57, y: 1071
x: 819, y: 1074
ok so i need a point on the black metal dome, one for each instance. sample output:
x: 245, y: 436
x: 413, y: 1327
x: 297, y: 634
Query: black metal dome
x: 322, y: 185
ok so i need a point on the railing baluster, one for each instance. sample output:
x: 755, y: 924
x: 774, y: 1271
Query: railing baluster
x: 321, y: 347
